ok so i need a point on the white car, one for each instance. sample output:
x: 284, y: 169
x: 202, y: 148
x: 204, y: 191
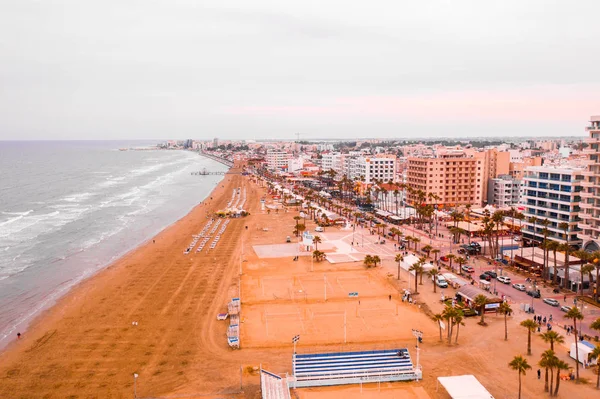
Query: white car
x: 504, y: 279
x: 520, y: 287
x: 551, y: 302
x: 517, y: 238
x: 319, y: 229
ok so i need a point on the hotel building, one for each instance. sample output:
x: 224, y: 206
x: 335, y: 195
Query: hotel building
x: 590, y: 195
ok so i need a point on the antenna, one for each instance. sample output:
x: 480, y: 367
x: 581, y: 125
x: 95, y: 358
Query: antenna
x: 297, y: 137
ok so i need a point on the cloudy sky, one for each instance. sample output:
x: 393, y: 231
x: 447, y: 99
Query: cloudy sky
x: 79, y: 69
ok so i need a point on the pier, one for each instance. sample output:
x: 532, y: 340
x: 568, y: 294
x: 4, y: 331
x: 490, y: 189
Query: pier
x: 205, y: 172
x: 215, y: 158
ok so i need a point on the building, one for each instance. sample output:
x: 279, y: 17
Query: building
x: 277, y: 160
x: 504, y: 191
x: 551, y: 193
x: 590, y: 195
x: 454, y: 177
x: 332, y: 161
x: 368, y: 169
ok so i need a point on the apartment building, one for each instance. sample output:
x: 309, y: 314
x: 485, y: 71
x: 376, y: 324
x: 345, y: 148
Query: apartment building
x: 277, y: 159
x: 332, y: 161
x: 552, y: 193
x: 454, y: 177
x: 370, y: 168
x: 590, y: 195
x: 504, y: 191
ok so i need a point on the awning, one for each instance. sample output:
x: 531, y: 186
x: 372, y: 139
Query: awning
x: 464, y: 387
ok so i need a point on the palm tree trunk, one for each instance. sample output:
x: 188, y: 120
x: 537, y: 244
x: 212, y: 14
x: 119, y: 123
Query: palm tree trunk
x: 457, y: 331
x: 551, y: 380
x: 441, y: 339
x: 505, y: 328
x: 576, y: 348
x: 557, y: 381
x: 546, y: 381
x: 529, y: 342
x: 519, y: 385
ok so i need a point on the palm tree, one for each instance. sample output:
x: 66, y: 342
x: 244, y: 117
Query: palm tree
x: 458, y: 319
x: 435, y: 252
x: 575, y: 315
x: 505, y: 309
x: 583, y: 256
x: 531, y: 326
x: 545, y: 232
x: 433, y: 273
x: 595, y: 325
x: 553, y: 337
x: 376, y: 260
x: 480, y: 301
x: 368, y: 261
x: 297, y: 218
x: 437, y: 318
x: 449, y: 314
x: 533, y: 220
x: 565, y: 227
x: 461, y: 261
x: 554, y: 246
x: 417, y: 268
x: 422, y: 261
x: 319, y: 255
x: 547, y: 362
x: 399, y: 258
x: 450, y: 258
x: 519, y: 364
x: 416, y: 240
x: 317, y: 241
x: 594, y: 355
x: 559, y: 365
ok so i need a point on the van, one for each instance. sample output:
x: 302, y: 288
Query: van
x: 288, y: 239
x: 441, y: 282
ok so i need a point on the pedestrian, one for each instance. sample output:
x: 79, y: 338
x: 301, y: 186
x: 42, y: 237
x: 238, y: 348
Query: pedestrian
x: 539, y: 373
x: 544, y: 319
x: 153, y: 242
x: 390, y: 297
x: 565, y: 298
x: 550, y: 318
x: 18, y: 335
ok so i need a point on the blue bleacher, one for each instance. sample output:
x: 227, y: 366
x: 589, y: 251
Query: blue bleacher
x: 352, y: 367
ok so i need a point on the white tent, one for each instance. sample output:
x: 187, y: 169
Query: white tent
x: 464, y: 387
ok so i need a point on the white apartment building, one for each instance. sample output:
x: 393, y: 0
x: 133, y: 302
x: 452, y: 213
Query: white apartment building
x: 332, y: 160
x: 504, y: 191
x: 371, y: 168
x: 590, y: 195
x: 277, y: 160
x: 552, y: 193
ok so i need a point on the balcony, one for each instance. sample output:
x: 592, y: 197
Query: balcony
x: 590, y: 128
x: 591, y: 140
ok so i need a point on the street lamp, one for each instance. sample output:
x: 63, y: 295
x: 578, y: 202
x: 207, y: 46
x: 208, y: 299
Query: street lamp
x: 135, y: 377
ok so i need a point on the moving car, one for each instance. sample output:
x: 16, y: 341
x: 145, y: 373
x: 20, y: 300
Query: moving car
x: 565, y: 308
x: 485, y: 276
x: 468, y: 269
x: 319, y: 229
x: 491, y: 274
x: 444, y: 258
x: 520, y: 287
x: 551, y: 302
x: 534, y: 293
x: 504, y: 279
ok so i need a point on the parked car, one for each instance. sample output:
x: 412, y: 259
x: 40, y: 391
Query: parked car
x: 517, y: 238
x: 440, y: 281
x: 534, y: 293
x: 444, y: 258
x: 504, y: 279
x: 492, y: 274
x: 319, y: 229
x: 485, y: 276
x: 288, y: 239
x: 565, y: 308
x: 468, y: 269
x: 551, y: 302
x: 520, y: 287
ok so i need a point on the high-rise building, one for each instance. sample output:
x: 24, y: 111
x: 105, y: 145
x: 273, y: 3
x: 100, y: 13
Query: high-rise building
x: 590, y: 195
x: 551, y: 193
x: 277, y: 160
x: 504, y: 191
x: 368, y: 169
x: 455, y: 178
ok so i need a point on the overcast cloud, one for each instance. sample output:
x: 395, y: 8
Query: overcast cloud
x: 268, y: 69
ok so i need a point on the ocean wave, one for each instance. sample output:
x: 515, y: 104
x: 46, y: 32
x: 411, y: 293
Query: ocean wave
x: 78, y: 197
x: 20, y: 215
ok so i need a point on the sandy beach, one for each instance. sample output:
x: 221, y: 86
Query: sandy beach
x: 86, y: 345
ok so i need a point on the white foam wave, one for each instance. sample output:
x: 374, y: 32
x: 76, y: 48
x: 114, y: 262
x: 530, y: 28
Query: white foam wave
x: 78, y: 197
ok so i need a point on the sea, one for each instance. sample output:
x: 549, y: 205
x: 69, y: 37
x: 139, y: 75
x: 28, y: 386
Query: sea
x: 69, y: 208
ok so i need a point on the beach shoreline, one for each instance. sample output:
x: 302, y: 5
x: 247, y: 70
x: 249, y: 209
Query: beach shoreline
x: 54, y: 298
x: 48, y: 323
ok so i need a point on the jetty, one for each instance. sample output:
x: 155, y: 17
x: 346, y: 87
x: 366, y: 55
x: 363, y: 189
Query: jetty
x: 205, y: 172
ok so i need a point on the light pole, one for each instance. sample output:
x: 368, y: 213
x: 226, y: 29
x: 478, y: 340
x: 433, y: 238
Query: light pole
x: 135, y: 377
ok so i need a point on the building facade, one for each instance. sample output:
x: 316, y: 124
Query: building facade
x: 552, y: 193
x: 456, y: 179
x: 369, y: 169
x: 590, y: 195
x: 277, y: 160
x: 504, y: 191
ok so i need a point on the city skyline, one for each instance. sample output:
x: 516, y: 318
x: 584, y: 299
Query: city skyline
x: 267, y: 70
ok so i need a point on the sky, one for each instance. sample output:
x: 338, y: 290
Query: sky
x: 258, y: 69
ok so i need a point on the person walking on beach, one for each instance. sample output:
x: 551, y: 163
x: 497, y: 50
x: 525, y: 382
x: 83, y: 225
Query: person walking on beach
x: 18, y: 335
